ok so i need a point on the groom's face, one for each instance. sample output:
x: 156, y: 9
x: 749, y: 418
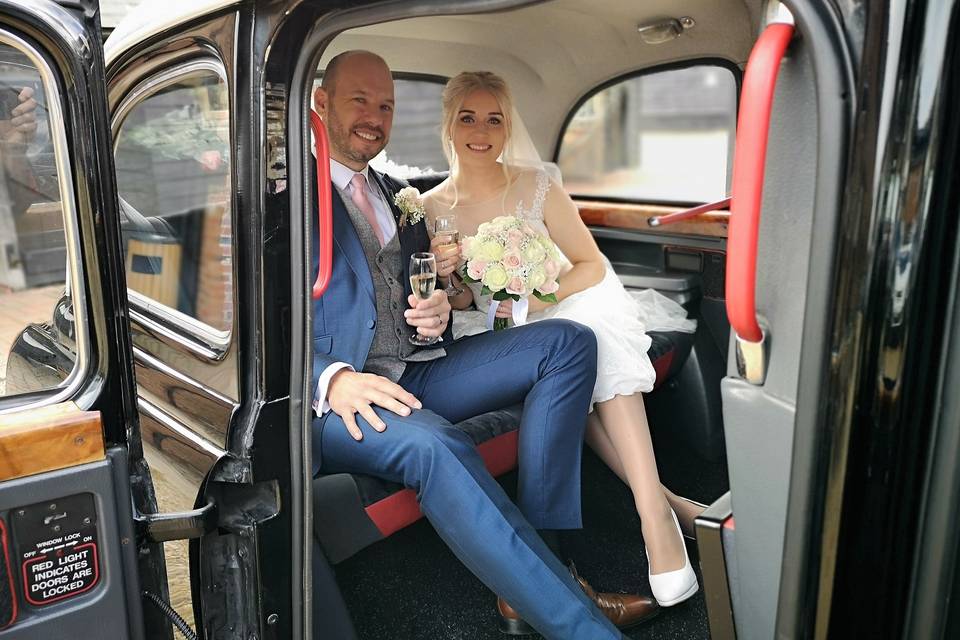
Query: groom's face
x: 357, y: 108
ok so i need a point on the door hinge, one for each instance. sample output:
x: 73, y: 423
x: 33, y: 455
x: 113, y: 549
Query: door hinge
x: 182, y: 525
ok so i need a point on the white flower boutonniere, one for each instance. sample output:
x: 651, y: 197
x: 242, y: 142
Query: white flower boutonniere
x: 411, y: 206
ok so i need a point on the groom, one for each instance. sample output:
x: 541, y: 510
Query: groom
x: 385, y: 408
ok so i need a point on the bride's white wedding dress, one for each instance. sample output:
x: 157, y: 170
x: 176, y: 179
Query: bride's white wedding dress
x: 619, y: 319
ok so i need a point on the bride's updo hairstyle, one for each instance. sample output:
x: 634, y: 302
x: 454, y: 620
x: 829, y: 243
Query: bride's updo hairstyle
x: 455, y: 92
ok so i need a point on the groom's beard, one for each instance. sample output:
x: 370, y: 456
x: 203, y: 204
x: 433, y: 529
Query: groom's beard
x: 341, y: 139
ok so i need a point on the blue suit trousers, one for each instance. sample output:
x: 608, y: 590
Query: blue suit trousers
x: 550, y: 366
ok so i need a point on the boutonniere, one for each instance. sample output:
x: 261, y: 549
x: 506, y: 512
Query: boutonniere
x: 411, y: 206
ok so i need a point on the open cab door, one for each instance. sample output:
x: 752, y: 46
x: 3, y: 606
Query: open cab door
x: 74, y: 560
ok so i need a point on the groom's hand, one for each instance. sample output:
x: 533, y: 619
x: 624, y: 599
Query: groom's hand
x: 351, y: 392
x: 429, y: 316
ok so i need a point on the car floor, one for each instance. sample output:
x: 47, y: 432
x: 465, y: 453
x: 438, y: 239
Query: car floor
x: 411, y: 587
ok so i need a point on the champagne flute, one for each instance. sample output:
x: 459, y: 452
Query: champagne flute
x: 445, y: 228
x: 423, y: 280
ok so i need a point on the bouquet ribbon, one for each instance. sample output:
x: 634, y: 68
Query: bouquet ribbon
x: 520, y: 309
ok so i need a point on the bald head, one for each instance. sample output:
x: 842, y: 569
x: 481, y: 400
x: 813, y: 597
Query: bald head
x: 350, y: 61
x: 355, y: 102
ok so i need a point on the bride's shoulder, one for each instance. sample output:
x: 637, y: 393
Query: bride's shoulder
x: 528, y: 178
x: 436, y: 193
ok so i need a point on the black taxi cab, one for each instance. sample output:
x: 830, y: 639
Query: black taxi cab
x: 785, y: 171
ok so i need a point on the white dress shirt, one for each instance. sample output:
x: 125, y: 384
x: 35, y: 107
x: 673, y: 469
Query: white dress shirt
x: 341, y: 175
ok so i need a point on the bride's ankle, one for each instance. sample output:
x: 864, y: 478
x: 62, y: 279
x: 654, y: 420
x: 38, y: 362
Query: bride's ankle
x: 658, y: 513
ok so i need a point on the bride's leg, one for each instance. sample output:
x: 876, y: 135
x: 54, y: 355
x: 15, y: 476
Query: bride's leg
x: 686, y: 510
x: 624, y: 421
x: 600, y: 442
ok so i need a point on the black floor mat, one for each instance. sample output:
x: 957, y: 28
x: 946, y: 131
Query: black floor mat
x: 410, y: 587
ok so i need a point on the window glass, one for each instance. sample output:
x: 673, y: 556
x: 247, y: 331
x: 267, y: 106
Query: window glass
x: 173, y: 175
x: 415, y: 138
x: 37, y: 330
x: 665, y: 136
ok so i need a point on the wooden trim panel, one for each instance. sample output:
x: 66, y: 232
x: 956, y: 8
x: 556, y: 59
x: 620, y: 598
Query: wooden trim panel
x: 636, y: 216
x: 49, y: 438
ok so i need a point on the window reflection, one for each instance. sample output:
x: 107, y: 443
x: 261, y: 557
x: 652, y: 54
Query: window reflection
x: 36, y: 319
x: 173, y: 175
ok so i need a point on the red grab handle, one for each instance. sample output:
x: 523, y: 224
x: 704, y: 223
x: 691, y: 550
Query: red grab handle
x: 324, y: 205
x: 753, y: 127
x: 657, y: 221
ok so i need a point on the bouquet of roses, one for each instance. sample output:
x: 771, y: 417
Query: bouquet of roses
x: 512, y: 261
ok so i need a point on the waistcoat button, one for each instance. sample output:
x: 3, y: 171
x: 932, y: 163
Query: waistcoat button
x: 371, y: 323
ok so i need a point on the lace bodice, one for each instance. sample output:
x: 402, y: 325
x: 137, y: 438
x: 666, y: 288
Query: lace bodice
x: 535, y: 212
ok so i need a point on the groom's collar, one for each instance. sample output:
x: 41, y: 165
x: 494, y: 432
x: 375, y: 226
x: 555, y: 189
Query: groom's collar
x: 341, y: 174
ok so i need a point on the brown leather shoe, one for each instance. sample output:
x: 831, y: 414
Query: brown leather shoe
x: 623, y: 610
x: 510, y: 621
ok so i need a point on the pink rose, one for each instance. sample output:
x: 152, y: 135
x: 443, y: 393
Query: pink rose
x: 550, y: 286
x: 512, y: 260
x: 515, y: 238
x: 551, y: 268
x: 476, y: 269
x: 516, y: 286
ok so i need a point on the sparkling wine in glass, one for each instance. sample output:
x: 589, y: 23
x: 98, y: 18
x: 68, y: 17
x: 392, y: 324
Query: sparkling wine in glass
x: 423, y: 280
x: 445, y: 228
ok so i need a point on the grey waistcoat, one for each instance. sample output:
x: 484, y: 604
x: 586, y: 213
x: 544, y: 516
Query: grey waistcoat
x: 391, y: 347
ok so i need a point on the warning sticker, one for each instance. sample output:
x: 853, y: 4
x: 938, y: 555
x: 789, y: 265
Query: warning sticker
x: 57, y: 547
x: 63, y: 574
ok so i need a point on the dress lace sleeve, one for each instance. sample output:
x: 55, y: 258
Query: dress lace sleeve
x: 535, y: 212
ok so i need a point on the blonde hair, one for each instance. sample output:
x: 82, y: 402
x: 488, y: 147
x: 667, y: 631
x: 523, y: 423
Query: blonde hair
x: 454, y: 93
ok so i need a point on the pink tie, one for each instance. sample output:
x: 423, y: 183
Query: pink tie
x: 358, y: 193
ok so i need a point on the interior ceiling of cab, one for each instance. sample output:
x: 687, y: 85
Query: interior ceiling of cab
x: 553, y: 53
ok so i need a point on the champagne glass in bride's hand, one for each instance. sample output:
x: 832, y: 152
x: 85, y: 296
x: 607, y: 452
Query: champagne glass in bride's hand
x: 445, y: 230
x: 423, y: 280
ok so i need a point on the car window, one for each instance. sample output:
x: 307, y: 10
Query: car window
x: 665, y: 136
x: 415, y: 146
x: 36, y: 318
x: 172, y: 151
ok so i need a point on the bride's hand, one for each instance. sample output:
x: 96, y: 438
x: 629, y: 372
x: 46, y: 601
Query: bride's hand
x: 447, y: 255
x: 505, y: 309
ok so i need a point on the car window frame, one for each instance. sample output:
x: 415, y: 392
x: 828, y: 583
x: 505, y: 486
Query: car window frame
x: 198, y: 337
x: 724, y: 63
x: 74, y: 275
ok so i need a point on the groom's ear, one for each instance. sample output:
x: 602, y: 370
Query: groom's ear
x: 320, y: 99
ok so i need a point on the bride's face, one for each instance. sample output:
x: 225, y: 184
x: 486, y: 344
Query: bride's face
x: 479, y: 130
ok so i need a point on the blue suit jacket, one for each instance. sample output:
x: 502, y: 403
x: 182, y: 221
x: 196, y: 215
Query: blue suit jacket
x: 345, y: 317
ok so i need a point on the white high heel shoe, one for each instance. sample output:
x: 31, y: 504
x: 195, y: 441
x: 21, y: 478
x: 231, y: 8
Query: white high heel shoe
x: 673, y: 587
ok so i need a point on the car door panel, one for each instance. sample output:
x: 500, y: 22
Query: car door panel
x: 77, y: 568
x: 71, y: 602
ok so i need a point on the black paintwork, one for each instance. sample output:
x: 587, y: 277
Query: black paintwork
x: 911, y: 231
x: 849, y: 554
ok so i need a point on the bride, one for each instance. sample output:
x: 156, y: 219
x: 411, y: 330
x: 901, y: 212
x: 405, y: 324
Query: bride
x: 494, y: 170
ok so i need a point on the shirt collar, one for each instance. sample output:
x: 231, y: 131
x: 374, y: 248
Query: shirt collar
x: 341, y: 174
